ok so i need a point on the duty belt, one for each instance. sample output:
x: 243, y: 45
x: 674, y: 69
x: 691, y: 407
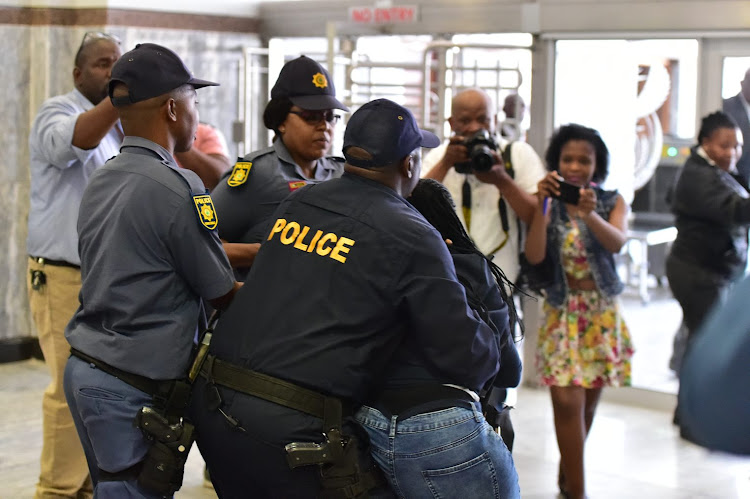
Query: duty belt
x: 273, y: 389
x: 55, y: 263
x: 160, y: 390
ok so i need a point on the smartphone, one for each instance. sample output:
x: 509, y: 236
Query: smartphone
x: 569, y: 193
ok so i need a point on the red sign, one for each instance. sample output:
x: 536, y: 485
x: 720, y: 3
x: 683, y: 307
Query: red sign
x: 403, y: 14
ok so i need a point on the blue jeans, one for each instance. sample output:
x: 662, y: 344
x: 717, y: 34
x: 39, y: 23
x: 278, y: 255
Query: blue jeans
x: 448, y: 453
x: 104, y: 410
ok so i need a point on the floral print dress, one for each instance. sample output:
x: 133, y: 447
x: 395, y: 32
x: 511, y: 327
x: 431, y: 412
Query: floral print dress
x: 585, y: 341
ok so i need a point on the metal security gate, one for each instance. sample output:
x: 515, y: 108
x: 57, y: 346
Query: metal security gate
x: 425, y: 82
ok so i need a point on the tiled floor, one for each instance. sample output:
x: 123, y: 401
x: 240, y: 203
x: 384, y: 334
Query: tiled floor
x: 632, y: 452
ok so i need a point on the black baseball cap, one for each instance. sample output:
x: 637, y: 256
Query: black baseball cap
x: 150, y: 70
x: 387, y: 131
x: 307, y: 84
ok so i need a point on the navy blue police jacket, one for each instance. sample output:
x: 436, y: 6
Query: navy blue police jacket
x: 348, y: 272
x: 408, y: 366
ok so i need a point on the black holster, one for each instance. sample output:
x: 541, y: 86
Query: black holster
x: 341, y: 475
x: 164, y: 465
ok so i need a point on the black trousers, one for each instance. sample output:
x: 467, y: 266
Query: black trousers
x: 251, y: 462
x: 696, y: 289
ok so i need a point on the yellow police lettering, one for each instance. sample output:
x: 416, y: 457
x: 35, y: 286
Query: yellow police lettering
x: 280, y: 223
x: 330, y: 237
x: 324, y: 244
x: 298, y: 243
x: 285, y: 237
x: 343, y: 245
x: 311, y: 246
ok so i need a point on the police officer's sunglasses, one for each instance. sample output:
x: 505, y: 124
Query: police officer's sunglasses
x: 317, y: 117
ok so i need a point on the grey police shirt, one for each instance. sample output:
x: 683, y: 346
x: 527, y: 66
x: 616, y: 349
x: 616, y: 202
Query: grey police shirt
x: 149, y: 252
x: 248, y: 195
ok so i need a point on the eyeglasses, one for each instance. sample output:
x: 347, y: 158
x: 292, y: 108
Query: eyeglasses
x: 91, y: 36
x: 317, y: 117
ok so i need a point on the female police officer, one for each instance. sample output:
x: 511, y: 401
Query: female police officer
x: 301, y: 114
x: 348, y: 271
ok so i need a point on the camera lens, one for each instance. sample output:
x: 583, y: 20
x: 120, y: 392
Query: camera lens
x: 481, y: 158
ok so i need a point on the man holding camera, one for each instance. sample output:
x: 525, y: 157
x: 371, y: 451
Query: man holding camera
x: 479, y: 191
x: 492, y: 182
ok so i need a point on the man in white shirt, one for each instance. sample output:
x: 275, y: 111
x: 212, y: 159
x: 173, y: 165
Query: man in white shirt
x: 738, y: 107
x: 72, y: 135
x: 472, y: 110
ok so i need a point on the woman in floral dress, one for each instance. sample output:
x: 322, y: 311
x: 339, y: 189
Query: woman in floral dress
x: 583, y: 343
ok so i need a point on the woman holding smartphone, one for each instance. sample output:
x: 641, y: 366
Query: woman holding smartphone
x: 583, y: 343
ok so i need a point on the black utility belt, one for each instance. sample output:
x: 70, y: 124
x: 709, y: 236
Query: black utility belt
x: 55, y: 263
x: 418, y: 399
x: 155, y: 388
x: 275, y: 390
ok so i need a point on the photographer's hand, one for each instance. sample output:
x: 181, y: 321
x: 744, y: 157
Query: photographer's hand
x: 520, y: 201
x: 455, y: 153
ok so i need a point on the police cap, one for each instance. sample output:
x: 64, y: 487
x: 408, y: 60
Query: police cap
x: 387, y: 131
x: 307, y: 84
x: 150, y: 70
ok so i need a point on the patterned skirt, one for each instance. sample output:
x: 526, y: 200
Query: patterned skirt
x: 584, y: 343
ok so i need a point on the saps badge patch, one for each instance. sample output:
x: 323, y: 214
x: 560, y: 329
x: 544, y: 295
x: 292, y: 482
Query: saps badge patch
x: 239, y: 174
x: 206, y: 211
x: 296, y: 184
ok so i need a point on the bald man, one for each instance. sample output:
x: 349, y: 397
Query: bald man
x: 515, y: 109
x: 72, y: 135
x: 738, y: 107
x: 150, y: 254
x: 477, y: 194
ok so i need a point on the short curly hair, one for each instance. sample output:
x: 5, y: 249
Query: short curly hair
x: 573, y: 131
x: 714, y: 121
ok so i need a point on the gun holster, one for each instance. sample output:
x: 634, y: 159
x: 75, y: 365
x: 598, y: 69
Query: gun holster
x: 341, y: 476
x: 164, y: 465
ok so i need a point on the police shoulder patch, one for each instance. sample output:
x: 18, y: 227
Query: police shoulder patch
x: 296, y: 184
x: 206, y: 211
x: 239, y: 173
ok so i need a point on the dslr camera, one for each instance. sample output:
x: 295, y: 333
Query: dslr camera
x: 479, y: 147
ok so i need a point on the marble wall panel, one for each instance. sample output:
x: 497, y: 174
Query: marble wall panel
x: 14, y: 181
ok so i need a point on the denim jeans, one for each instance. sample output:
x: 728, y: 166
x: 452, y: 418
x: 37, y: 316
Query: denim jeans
x: 448, y: 453
x: 104, y: 410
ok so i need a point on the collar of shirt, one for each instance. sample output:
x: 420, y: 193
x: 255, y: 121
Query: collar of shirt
x: 377, y: 185
x: 161, y: 153
x: 703, y: 154
x: 82, y: 100
x: 323, y: 169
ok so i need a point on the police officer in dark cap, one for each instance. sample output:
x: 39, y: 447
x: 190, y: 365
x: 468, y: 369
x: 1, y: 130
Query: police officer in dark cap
x: 302, y: 114
x: 347, y: 273
x: 149, y: 254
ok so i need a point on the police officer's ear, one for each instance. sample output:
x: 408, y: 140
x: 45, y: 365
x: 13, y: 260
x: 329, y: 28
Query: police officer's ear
x: 406, y: 166
x: 171, y: 109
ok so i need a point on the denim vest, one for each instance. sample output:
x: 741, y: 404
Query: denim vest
x: 601, y: 261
